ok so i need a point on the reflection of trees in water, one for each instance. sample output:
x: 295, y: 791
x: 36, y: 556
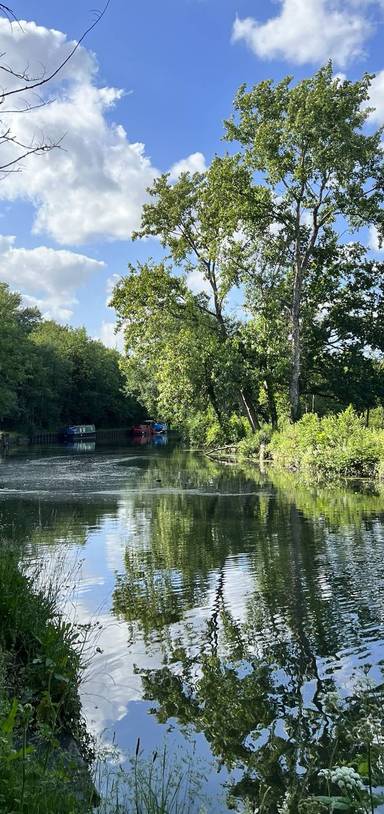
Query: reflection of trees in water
x: 259, y: 714
x: 197, y: 520
x: 45, y: 522
x: 336, y: 505
x: 258, y: 688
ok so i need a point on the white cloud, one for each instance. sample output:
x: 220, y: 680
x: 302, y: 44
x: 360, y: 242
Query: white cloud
x: 110, y: 338
x: 307, y: 31
x: 373, y: 240
x: 110, y: 284
x: 193, y: 163
x: 37, y: 50
x: 95, y: 186
x: 197, y: 283
x: 47, y: 278
x: 376, y: 99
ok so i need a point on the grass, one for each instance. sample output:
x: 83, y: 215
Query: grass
x: 153, y: 784
x: 40, y: 712
x: 329, y: 447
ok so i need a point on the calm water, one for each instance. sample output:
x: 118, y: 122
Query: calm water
x: 229, y: 604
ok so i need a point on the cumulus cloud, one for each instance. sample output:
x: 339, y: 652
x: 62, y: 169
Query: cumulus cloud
x: 193, y: 163
x: 376, y: 99
x: 48, y: 278
x: 110, y: 284
x: 373, y: 241
x: 197, y: 283
x: 110, y: 338
x: 308, y: 31
x: 96, y: 184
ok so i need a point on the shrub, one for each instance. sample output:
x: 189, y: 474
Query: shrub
x: 42, y: 733
x: 204, y: 429
x: 335, y: 445
x: 249, y: 446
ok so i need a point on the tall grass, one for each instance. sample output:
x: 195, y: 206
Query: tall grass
x: 42, y: 734
x: 154, y: 784
x: 332, y: 446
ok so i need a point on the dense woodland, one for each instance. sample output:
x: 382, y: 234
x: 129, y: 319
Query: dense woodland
x: 269, y: 300
x: 52, y: 375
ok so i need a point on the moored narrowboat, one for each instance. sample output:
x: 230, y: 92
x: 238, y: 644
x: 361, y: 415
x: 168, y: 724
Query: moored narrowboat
x: 80, y: 432
x: 150, y: 427
x: 141, y: 429
x: 159, y: 427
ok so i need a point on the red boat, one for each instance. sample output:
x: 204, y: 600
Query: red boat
x: 142, y: 429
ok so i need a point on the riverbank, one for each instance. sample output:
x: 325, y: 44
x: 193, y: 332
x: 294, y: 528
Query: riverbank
x: 331, y: 447
x: 44, y: 746
x: 49, y: 763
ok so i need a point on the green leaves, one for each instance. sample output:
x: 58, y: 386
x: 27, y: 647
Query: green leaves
x: 334, y: 803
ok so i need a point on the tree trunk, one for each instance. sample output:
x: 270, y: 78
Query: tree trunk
x: 294, y: 390
x: 249, y: 410
x: 214, y: 402
x: 271, y: 402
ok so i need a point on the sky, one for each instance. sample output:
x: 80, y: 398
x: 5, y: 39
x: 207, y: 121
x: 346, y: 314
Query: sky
x: 147, y: 93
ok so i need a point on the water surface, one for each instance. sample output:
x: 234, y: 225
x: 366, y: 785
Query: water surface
x: 229, y: 603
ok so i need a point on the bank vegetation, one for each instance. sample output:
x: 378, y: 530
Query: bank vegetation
x: 268, y: 302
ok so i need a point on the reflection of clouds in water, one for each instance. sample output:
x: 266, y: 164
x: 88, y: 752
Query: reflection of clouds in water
x: 110, y: 682
x: 289, y: 579
x: 131, y: 527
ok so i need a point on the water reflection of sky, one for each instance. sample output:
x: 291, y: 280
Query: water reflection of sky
x: 295, y: 570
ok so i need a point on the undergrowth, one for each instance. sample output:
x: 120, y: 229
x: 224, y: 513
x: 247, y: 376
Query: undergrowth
x: 43, y: 742
x: 332, y: 446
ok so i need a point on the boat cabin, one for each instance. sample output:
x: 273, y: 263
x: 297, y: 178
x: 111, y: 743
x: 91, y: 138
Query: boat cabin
x: 150, y: 427
x: 79, y: 432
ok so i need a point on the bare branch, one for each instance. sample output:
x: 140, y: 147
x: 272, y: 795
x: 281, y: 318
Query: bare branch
x: 43, y: 81
x: 8, y: 13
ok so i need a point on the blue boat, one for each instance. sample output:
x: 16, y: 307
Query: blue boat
x: 80, y: 432
x: 159, y: 427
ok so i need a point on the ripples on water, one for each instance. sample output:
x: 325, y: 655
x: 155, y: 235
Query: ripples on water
x: 230, y: 604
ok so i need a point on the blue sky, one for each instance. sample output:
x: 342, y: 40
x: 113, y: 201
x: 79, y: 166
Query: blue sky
x: 66, y: 220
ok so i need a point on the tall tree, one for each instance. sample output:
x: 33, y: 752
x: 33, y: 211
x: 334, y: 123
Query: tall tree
x: 198, y: 220
x: 310, y: 149
x: 15, y: 323
x: 178, y: 362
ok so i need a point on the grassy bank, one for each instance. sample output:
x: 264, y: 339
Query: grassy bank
x: 332, y: 446
x: 43, y: 742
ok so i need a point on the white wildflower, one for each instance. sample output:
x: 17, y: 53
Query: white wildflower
x: 345, y: 777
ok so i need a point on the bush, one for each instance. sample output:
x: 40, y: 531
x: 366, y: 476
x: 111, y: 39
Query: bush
x: 42, y: 736
x: 249, y: 446
x: 335, y: 445
x: 204, y: 429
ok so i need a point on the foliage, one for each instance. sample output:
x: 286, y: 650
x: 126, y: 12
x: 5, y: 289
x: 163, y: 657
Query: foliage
x: 249, y: 446
x: 40, y: 715
x: 178, y: 361
x: 317, y: 167
x: 53, y: 375
x: 274, y: 227
x: 337, y: 445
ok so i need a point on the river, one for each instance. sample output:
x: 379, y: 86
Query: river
x: 233, y: 614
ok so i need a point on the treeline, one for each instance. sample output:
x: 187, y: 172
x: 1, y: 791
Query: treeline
x: 269, y: 301
x: 52, y: 375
